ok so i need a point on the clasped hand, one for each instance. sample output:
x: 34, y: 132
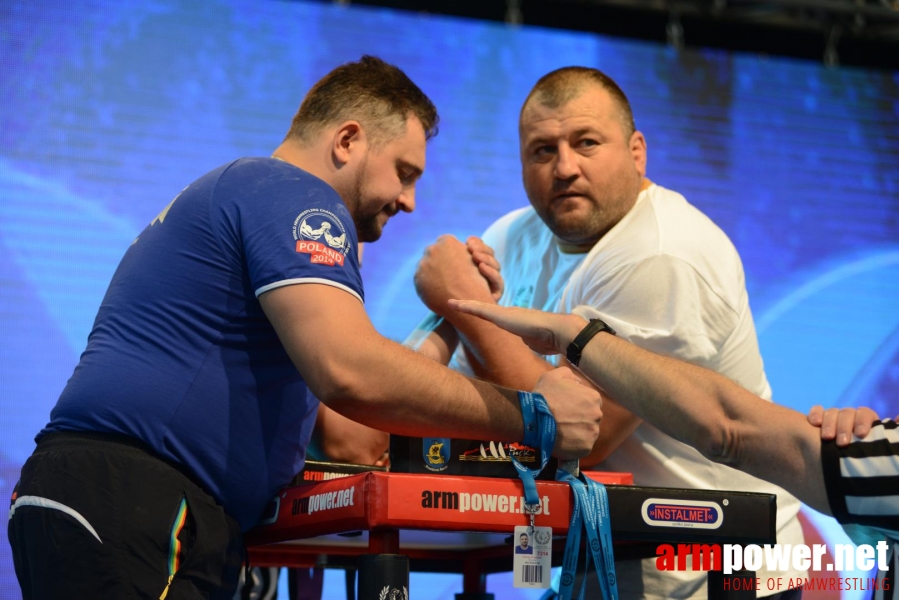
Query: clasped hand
x: 451, y: 269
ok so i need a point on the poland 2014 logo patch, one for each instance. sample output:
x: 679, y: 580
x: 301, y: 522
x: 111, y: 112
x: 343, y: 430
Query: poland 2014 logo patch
x: 321, y: 235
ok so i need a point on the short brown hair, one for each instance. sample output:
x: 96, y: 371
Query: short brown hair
x: 371, y: 91
x: 563, y: 85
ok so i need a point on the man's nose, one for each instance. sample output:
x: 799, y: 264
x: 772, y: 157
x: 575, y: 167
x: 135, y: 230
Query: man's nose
x: 566, y: 166
x: 406, y: 201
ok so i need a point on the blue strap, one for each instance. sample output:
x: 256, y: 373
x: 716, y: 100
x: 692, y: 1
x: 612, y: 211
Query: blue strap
x: 591, y: 507
x: 572, y: 549
x: 591, y: 502
x: 540, y: 434
x: 529, y: 414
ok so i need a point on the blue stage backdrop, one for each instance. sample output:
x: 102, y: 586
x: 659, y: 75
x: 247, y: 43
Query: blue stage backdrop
x: 108, y: 109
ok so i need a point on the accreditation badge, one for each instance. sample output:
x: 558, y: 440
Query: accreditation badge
x: 532, y: 557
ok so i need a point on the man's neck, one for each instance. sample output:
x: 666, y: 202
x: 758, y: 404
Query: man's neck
x: 567, y: 248
x: 306, y: 158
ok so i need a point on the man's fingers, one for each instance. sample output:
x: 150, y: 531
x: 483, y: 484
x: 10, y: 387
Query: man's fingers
x: 534, y: 327
x: 845, y: 425
x: 476, y: 244
x: 841, y: 424
x: 864, y: 417
x: 562, y: 373
x: 829, y: 424
x: 498, y: 315
x: 816, y: 415
x: 494, y: 280
x: 488, y: 267
x: 480, y: 258
x: 472, y: 307
x: 510, y: 319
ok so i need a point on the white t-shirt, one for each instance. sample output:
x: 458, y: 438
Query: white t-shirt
x: 669, y: 280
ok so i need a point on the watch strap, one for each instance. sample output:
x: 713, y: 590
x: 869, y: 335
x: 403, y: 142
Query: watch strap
x: 576, y: 347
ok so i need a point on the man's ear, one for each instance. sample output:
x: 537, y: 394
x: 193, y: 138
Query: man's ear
x: 638, y: 151
x: 349, y: 138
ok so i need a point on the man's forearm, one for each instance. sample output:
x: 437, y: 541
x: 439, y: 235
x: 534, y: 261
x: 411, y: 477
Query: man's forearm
x: 504, y: 358
x: 343, y: 440
x: 423, y: 398
x: 354, y: 370
x: 389, y: 387
x: 723, y: 421
x: 364, y: 376
x: 435, y: 338
x: 497, y: 355
x: 447, y: 270
x: 688, y: 402
x: 618, y: 424
x: 707, y: 411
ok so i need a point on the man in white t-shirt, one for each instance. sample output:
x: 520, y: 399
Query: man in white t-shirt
x: 602, y: 238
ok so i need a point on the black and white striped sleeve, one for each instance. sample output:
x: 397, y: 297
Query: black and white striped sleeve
x: 862, y: 478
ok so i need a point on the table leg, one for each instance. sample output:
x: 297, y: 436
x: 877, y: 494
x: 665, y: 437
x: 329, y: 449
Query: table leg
x: 384, y: 541
x: 474, y: 582
x: 349, y: 580
x: 383, y: 574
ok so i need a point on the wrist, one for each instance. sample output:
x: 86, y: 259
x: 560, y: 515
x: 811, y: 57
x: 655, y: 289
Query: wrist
x: 539, y: 424
x: 530, y: 434
x: 576, y: 347
x: 571, y: 327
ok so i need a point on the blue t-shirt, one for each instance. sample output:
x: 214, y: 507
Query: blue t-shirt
x: 181, y: 355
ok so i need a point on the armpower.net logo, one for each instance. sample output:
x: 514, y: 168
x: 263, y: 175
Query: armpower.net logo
x: 477, y: 502
x: 731, y: 558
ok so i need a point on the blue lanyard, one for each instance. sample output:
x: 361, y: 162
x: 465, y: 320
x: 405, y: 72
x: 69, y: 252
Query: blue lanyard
x: 591, y: 507
x: 539, y: 433
x: 591, y: 501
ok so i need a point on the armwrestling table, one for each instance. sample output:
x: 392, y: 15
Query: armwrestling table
x: 455, y: 524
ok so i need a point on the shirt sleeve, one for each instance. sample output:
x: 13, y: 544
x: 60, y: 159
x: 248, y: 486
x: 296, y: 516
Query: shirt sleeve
x: 293, y: 229
x: 660, y: 303
x: 862, y: 479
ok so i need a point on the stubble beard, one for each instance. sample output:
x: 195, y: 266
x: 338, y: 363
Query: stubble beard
x: 367, y: 227
x: 579, y: 229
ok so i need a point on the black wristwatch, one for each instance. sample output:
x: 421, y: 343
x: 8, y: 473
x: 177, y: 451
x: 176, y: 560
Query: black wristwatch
x: 573, y: 353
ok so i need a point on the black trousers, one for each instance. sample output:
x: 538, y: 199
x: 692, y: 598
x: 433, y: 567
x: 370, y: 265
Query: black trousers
x: 99, y: 516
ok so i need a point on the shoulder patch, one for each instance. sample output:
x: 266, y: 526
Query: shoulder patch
x: 320, y: 234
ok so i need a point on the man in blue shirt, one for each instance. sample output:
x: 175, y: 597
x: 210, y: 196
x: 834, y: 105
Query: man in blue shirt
x: 189, y: 407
